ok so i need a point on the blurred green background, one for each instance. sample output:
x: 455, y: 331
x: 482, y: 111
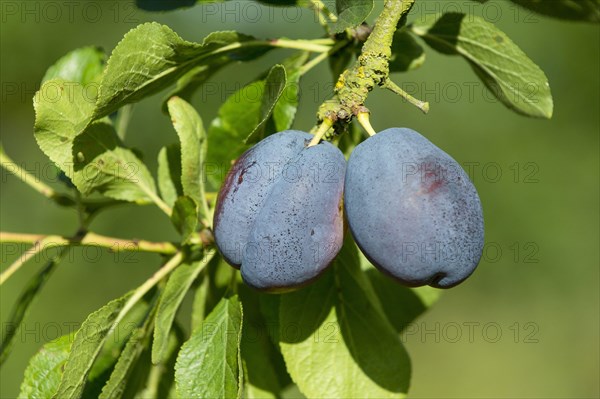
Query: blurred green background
x: 525, y: 325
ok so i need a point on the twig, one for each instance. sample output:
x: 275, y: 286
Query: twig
x: 422, y: 105
x: 93, y: 240
x: 38, y: 246
x: 148, y: 284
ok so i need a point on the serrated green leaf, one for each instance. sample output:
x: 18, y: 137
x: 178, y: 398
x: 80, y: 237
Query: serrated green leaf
x: 102, y: 164
x: 185, y: 217
x: 351, y: 13
x: 177, y: 286
x: 407, y: 54
x: 93, y: 157
x: 45, y: 368
x: 273, y: 88
x: 24, y: 301
x: 208, y: 364
x: 345, y: 348
x: 129, y: 76
x: 87, y: 344
x: 83, y: 65
x: 62, y: 110
x: 163, y: 5
x: 130, y: 357
x: 575, y: 10
x: 192, y: 137
x: 111, y: 350
x: 502, y: 66
x: 169, y: 173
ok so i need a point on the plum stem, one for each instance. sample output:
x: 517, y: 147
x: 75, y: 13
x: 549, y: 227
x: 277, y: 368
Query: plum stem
x: 323, y: 128
x: 363, y: 119
x: 422, y: 105
x: 370, y: 69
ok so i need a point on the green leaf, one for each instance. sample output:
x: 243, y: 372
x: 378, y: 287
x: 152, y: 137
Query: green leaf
x: 62, y: 110
x: 185, y: 217
x: 194, y: 79
x: 351, y: 13
x: 44, y: 371
x: 236, y: 119
x: 161, y: 378
x: 208, y: 365
x: 26, y: 298
x: 579, y: 10
x: 102, y: 164
x: 407, y: 54
x: 129, y: 76
x: 274, y: 85
x: 88, y: 342
x: 502, y: 66
x: 215, y: 284
x: 192, y: 137
x: 414, y: 301
x: 177, y: 286
x: 130, y: 357
x: 83, y: 65
x: 345, y: 346
x: 285, y: 108
x: 163, y: 5
x: 265, y: 375
x: 113, y: 345
x: 169, y: 173
x: 92, y: 157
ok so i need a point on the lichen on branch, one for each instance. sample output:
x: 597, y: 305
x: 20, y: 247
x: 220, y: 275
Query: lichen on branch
x: 370, y: 69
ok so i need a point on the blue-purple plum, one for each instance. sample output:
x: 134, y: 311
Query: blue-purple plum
x: 299, y: 230
x: 246, y: 187
x: 412, y: 209
x: 279, y: 215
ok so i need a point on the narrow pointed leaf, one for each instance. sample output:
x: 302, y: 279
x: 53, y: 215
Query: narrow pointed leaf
x: 274, y: 85
x: 169, y: 173
x: 502, y: 66
x: 286, y: 106
x: 88, y: 342
x: 129, y: 359
x: 177, y: 286
x: 24, y: 301
x: 208, y: 365
x: 192, y: 137
x: 185, y: 217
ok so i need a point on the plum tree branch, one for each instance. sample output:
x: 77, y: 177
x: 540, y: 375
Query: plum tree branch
x: 91, y: 240
x: 370, y: 69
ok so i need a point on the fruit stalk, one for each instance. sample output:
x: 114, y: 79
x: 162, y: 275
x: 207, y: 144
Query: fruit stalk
x: 370, y: 69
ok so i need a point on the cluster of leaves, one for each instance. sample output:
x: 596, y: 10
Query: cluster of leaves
x: 336, y: 338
